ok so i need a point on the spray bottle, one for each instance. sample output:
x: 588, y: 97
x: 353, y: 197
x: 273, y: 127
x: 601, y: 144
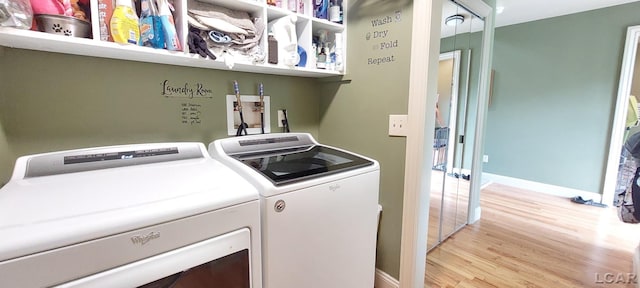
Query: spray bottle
x: 124, y: 23
x: 168, y: 26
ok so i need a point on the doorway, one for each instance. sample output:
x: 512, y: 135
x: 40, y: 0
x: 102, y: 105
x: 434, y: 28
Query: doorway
x: 451, y: 174
x: 421, y: 104
x: 629, y: 80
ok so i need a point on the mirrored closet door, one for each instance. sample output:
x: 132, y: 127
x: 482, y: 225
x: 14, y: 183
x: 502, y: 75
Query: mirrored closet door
x: 455, y: 122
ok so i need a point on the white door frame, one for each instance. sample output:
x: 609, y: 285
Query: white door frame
x: 425, y: 51
x: 620, y: 116
x: 421, y: 121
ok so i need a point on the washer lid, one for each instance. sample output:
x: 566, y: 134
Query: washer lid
x: 298, y: 164
x: 45, y: 212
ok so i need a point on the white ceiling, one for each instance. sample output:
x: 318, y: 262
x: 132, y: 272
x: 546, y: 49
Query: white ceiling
x: 448, y: 9
x: 520, y: 11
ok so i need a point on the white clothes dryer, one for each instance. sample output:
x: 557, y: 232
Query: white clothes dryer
x: 319, y: 208
x: 147, y: 215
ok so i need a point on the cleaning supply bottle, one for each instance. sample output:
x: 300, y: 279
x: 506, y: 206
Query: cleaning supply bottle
x: 321, y: 63
x: 331, y: 58
x: 284, y: 31
x: 168, y: 26
x: 124, y: 23
x: 339, y: 52
x: 272, y: 47
x: 312, y: 56
x: 292, y: 5
x: 151, y: 34
x: 335, y: 12
x: 320, y: 8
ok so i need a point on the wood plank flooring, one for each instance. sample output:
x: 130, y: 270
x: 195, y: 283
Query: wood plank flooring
x: 528, y: 239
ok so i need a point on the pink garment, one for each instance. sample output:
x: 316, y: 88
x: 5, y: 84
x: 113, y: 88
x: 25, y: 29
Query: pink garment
x: 59, y: 7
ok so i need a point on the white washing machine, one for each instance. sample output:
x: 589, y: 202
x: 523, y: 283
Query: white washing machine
x: 319, y: 208
x: 149, y: 215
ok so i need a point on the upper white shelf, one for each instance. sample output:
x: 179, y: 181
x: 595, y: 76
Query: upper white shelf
x: 33, y: 40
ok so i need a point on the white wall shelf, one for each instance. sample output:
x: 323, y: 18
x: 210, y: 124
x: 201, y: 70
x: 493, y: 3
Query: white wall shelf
x: 34, y: 40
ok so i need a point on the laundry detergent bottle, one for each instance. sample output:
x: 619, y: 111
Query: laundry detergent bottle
x: 168, y: 26
x: 284, y: 31
x: 151, y: 34
x: 124, y: 23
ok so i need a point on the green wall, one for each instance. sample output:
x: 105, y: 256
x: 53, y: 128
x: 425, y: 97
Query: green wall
x: 354, y: 113
x: 53, y: 101
x: 554, y: 94
x: 6, y: 158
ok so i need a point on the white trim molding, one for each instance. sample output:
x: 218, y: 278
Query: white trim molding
x: 384, y: 280
x: 423, y: 83
x: 484, y: 81
x: 541, y: 187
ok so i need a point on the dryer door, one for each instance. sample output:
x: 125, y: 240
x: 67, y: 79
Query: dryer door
x: 222, y: 261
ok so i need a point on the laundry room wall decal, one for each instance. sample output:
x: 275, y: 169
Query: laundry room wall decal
x: 381, y: 36
x: 185, y: 90
x: 190, y: 113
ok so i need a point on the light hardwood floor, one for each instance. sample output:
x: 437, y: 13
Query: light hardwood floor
x: 527, y: 239
x: 456, y: 201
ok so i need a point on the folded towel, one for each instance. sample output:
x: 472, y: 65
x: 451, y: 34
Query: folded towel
x: 239, y: 42
x: 250, y: 41
x: 219, y: 25
x: 194, y: 23
x: 236, y: 18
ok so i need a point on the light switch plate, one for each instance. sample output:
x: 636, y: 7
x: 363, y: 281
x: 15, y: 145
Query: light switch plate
x: 398, y: 125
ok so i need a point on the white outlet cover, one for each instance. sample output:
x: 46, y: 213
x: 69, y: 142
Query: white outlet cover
x: 280, y: 118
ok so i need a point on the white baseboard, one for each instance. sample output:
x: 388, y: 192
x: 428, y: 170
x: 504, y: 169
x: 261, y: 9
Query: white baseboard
x: 485, y: 183
x: 541, y: 187
x: 384, y: 280
x: 476, y: 215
